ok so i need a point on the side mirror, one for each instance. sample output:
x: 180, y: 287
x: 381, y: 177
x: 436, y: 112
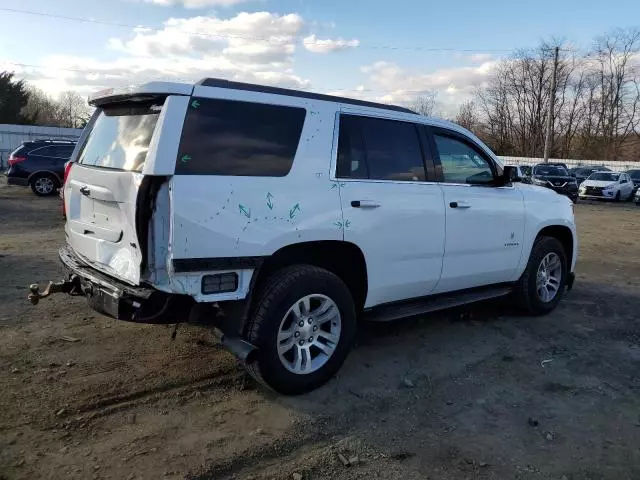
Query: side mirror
x: 510, y: 175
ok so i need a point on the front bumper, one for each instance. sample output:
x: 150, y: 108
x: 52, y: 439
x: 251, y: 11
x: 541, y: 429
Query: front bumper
x: 602, y: 196
x: 111, y: 297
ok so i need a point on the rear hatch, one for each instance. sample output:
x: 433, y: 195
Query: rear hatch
x: 101, y: 191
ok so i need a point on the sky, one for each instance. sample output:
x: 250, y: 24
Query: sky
x: 379, y: 50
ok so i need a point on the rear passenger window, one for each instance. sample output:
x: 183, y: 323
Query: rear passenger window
x: 227, y: 137
x: 379, y: 149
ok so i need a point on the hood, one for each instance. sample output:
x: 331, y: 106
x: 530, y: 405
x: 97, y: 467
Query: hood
x: 597, y: 183
x: 555, y: 179
x: 541, y: 193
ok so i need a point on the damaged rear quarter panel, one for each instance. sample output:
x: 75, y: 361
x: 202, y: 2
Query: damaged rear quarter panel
x: 217, y: 216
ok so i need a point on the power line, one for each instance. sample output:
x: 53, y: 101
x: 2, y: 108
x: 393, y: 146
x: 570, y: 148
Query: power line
x: 247, y: 37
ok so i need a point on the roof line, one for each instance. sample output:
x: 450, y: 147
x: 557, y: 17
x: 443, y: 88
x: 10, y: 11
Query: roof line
x: 251, y: 87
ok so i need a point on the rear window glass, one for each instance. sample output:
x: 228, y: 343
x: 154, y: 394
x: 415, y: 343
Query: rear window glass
x: 120, y: 137
x: 227, y: 137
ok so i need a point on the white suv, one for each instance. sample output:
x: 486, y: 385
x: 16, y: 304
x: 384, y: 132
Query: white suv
x: 283, y: 218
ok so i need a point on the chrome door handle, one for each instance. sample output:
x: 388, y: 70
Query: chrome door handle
x: 462, y: 205
x: 364, y: 204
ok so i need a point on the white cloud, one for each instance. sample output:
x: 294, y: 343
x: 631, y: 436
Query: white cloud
x: 481, y: 57
x: 316, y: 45
x: 196, y: 3
x: 254, y: 47
x: 451, y: 85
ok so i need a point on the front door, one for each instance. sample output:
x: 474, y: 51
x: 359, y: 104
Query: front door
x: 389, y: 210
x: 484, y: 223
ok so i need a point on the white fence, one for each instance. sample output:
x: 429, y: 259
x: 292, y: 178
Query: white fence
x: 11, y: 136
x: 615, y: 166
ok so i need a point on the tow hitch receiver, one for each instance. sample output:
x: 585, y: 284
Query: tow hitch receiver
x: 71, y: 286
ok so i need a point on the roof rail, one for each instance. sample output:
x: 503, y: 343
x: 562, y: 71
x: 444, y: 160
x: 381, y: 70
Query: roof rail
x: 251, y: 87
x: 52, y: 140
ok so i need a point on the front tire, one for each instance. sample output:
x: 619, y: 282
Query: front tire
x: 303, y: 325
x: 541, y: 286
x: 44, y: 184
x: 617, y: 197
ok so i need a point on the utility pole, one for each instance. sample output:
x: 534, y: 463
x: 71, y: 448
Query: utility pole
x: 548, y: 138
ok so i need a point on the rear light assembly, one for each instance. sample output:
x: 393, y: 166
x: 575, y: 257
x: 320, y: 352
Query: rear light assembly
x: 67, y: 169
x: 13, y: 160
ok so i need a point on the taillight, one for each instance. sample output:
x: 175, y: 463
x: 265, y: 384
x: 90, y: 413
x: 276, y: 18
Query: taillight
x: 67, y: 169
x: 13, y: 160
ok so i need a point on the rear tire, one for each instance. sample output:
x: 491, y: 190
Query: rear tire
x: 44, y: 184
x: 528, y: 294
x: 274, y: 365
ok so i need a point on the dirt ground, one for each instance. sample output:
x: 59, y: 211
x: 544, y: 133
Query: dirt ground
x: 471, y: 393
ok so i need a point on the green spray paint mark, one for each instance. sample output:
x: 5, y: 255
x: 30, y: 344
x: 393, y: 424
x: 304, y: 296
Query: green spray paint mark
x: 347, y: 224
x: 292, y: 212
x: 195, y: 104
x: 269, y: 202
x: 338, y: 224
x: 185, y: 158
x: 246, y: 212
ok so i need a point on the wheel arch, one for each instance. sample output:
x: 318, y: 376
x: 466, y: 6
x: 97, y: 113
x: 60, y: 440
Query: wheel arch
x: 344, y: 259
x: 48, y: 172
x: 563, y: 234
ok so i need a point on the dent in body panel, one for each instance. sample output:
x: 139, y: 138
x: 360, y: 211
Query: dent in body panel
x: 230, y: 216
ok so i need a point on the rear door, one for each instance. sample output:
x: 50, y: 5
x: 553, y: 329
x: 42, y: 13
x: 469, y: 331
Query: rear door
x: 391, y: 209
x: 101, y: 191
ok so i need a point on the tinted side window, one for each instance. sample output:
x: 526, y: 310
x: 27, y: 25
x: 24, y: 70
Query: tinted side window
x: 64, y: 151
x: 227, y: 137
x: 462, y: 163
x: 44, y: 151
x: 352, y: 160
x: 379, y: 149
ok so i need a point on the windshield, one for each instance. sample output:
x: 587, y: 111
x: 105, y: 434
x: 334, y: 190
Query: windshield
x: 120, y: 137
x: 550, y: 170
x: 604, y: 176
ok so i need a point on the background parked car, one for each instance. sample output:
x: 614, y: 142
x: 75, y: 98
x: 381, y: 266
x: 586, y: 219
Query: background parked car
x: 583, y: 173
x: 608, y: 185
x: 555, y: 177
x: 526, y: 170
x: 40, y: 165
x: 635, y: 178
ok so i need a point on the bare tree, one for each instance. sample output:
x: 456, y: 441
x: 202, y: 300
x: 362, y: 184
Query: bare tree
x: 618, y: 88
x: 73, y: 110
x: 467, y: 116
x: 40, y: 108
x: 425, y: 104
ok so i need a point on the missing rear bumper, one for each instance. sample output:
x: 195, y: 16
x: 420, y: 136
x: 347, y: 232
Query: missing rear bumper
x: 113, y: 298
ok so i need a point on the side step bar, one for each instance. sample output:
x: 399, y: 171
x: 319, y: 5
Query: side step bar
x: 422, y: 305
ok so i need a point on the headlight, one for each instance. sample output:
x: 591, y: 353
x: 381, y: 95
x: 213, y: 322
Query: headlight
x: 610, y: 187
x: 537, y: 181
